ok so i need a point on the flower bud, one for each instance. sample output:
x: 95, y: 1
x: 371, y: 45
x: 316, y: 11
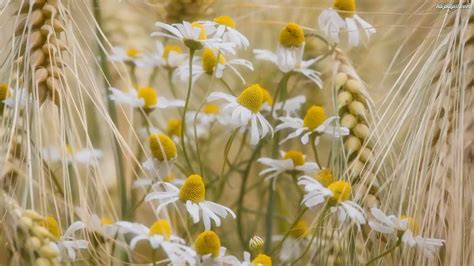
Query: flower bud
x: 256, y: 244
x: 42, y: 262
x: 364, y: 154
x: 41, y: 232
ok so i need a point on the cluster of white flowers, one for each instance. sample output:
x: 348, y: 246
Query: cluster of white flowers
x: 253, y: 111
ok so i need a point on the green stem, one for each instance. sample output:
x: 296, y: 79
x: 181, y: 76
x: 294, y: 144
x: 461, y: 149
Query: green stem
x: 243, y: 185
x: 281, y: 90
x: 315, y: 150
x: 122, y: 184
x: 183, y: 120
x: 386, y: 252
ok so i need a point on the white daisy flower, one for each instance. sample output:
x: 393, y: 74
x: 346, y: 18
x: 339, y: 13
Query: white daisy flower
x: 207, y: 65
x: 208, y: 247
x: 289, y: 54
x: 145, y: 97
x: 66, y: 241
x: 296, y: 241
x: 224, y: 27
x: 245, y: 111
x: 145, y: 182
x: 343, y: 17
x: 290, y: 107
x: 336, y: 194
x: 159, y: 235
x: 169, y: 56
x: 82, y: 156
x: 315, y: 122
x: 290, y: 60
x: 17, y: 97
x: 405, y: 227
x: 194, y: 36
x: 291, y: 160
x: 164, y: 153
x: 120, y: 54
x: 192, y: 194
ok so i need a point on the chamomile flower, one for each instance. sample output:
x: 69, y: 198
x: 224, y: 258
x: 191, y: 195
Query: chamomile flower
x: 159, y: 235
x: 193, y: 195
x: 164, y: 153
x: 82, y: 156
x: 17, y: 98
x: 194, y: 36
x: 290, y: 107
x: 66, y: 241
x: 208, y: 247
x: 296, y: 241
x: 144, y: 97
x: 336, y: 194
x: 315, y: 122
x: 245, y: 111
x: 120, y: 54
x: 406, y: 228
x: 168, y: 56
x: 206, y: 64
x: 343, y: 17
x: 291, y: 61
x: 224, y: 27
x: 289, y: 54
x: 291, y: 161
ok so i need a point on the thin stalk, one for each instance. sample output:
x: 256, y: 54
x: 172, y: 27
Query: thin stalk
x: 183, y: 120
x: 243, y: 185
x: 386, y: 252
x: 315, y: 150
x: 226, y: 85
x: 122, y: 184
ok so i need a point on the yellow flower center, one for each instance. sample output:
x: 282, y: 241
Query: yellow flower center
x: 208, y: 242
x: 106, y: 221
x: 262, y: 259
x: 347, y: 6
x: 292, y: 35
x: 209, y: 60
x: 267, y: 97
x: 211, y: 108
x: 162, y: 147
x: 68, y: 149
x: 226, y: 21
x: 171, y: 48
x: 325, y: 177
x: 341, y: 191
x: 314, y: 117
x: 251, y: 98
x: 52, y: 225
x: 300, y: 229
x: 4, y: 91
x: 169, y: 178
x: 133, y: 53
x: 193, y: 189
x: 295, y: 156
x: 148, y: 94
x: 161, y: 227
x: 412, y: 224
x: 174, y: 127
x: 202, y: 32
